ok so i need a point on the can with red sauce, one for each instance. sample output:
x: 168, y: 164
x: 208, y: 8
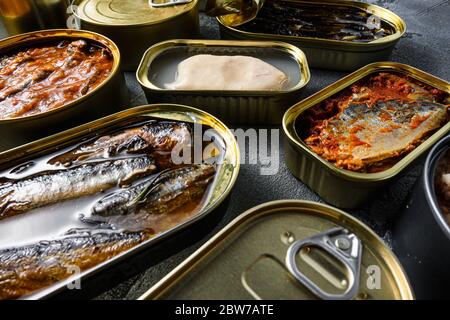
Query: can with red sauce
x: 106, y: 97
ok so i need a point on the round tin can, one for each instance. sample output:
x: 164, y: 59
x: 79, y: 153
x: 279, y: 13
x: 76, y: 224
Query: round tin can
x: 107, y: 98
x: 421, y: 235
x: 289, y: 249
x: 135, y: 25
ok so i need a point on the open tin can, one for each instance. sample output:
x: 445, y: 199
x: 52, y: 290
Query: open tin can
x: 38, y: 226
x: 135, y: 25
x: 328, y: 53
x: 289, y: 249
x: 108, y: 97
x: 159, y: 66
x: 421, y: 235
x: 340, y: 187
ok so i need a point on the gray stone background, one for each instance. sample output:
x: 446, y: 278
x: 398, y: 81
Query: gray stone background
x: 425, y: 46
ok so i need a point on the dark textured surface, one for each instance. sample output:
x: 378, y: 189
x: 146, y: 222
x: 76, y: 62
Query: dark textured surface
x: 425, y: 46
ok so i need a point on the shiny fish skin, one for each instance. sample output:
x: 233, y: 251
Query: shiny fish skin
x: 154, y: 135
x: 18, y: 196
x: 172, y: 190
x: 369, y: 134
x: 26, y: 269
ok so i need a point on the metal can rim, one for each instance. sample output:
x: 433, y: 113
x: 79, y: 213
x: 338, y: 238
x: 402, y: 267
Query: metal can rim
x: 80, y: 131
x: 375, y: 45
x: 428, y: 179
x: 153, y: 51
x: 29, y: 37
x: 166, y: 283
x: 291, y: 115
x: 194, y: 4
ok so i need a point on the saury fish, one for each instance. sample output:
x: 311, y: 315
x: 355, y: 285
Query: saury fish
x: 44, y: 188
x: 162, y: 194
x: 26, y: 269
x: 161, y: 136
x: 363, y: 134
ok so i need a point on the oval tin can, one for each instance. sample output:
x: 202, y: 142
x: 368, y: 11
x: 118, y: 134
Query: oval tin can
x: 135, y: 25
x: 288, y: 249
x: 109, y: 97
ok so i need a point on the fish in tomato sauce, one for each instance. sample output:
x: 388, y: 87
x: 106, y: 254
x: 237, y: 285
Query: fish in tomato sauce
x: 371, y: 125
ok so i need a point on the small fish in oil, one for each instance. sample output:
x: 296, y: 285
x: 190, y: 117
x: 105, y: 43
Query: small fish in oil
x: 160, y: 136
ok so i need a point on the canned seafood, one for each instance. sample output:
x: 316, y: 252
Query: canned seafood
x: 277, y: 21
x: 421, y: 235
x: 34, y: 119
x: 330, y: 147
x: 289, y: 249
x: 159, y: 66
x: 135, y: 25
x: 75, y: 184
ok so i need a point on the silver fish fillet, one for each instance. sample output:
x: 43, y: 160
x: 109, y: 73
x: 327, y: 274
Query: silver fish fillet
x: 18, y: 196
x: 163, y: 194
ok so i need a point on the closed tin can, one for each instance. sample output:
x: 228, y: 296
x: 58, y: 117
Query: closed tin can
x: 288, y: 249
x: 421, y: 234
x: 340, y: 187
x: 332, y: 54
x: 19, y: 16
x: 159, y: 66
x: 135, y: 25
x: 225, y: 177
x: 106, y: 98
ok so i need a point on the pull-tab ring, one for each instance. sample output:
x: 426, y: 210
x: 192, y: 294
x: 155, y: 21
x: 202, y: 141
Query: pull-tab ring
x: 342, y: 245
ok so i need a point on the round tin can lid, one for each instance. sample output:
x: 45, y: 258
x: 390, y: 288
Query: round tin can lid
x: 289, y: 249
x: 128, y: 12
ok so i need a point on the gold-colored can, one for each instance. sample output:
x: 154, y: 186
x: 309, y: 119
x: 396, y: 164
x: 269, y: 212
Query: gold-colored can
x: 333, y: 54
x: 340, y: 187
x: 108, y: 97
x: 226, y: 175
x: 160, y: 62
x: 53, y: 14
x: 135, y: 25
x: 292, y: 250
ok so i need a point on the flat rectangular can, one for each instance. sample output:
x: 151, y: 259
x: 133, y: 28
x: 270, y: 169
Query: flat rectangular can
x: 233, y: 107
x: 333, y: 54
x: 251, y: 259
x: 345, y: 188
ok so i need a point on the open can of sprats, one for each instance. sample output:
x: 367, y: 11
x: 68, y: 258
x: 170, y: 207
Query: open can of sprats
x: 57, y: 238
x: 135, y: 25
x: 289, y: 249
